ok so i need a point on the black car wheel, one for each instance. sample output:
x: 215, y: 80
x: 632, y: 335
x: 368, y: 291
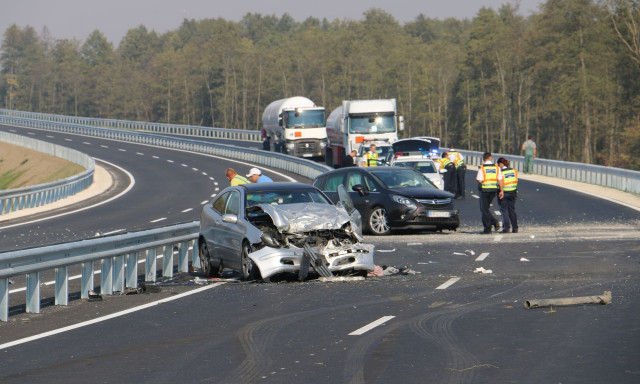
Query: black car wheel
x: 378, y: 224
x: 208, y: 270
x: 250, y: 271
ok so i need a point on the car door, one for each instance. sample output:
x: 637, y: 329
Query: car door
x: 210, y: 222
x: 362, y: 202
x: 329, y: 185
x: 232, y: 229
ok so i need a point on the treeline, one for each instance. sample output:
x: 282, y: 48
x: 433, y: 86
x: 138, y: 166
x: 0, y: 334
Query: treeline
x: 568, y: 75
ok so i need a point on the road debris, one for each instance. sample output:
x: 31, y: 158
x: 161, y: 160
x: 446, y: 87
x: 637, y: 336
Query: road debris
x: 604, y: 299
x: 524, y: 259
x: 482, y: 270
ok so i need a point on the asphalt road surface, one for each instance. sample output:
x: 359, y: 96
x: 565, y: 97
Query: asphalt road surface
x: 439, y: 323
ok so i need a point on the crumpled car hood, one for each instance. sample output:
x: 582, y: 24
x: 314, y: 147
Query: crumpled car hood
x: 305, y: 217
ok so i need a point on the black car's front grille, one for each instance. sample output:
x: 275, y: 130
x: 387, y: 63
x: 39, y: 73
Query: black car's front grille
x: 435, y: 203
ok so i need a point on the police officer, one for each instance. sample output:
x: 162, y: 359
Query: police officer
x: 371, y: 157
x: 450, y: 174
x: 490, y: 183
x: 458, y: 160
x: 508, y: 202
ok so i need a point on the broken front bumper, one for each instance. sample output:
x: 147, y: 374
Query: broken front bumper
x: 355, y: 257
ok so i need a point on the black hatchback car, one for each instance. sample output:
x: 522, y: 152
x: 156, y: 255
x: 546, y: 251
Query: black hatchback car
x: 392, y: 197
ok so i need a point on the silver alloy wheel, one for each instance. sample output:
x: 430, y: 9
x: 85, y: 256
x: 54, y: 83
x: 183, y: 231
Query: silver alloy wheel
x: 378, y: 222
x: 247, y: 264
x: 205, y: 265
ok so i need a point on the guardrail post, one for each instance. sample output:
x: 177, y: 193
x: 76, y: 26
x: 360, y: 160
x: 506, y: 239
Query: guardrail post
x: 4, y: 299
x: 195, y: 256
x: 106, y: 277
x: 167, y: 261
x: 150, y: 265
x: 132, y: 270
x: 183, y: 260
x: 87, y: 279
x: 118, y: 273
x: 33, y: 292
x: 62, y: 286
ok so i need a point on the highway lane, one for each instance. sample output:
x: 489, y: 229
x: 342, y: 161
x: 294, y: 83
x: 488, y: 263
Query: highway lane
x: 170, y: 187
x: 472, y: 330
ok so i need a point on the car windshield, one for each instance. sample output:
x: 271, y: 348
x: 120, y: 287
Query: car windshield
x: 305, y: 119
x: 286, y: 197
x: 395, y: 178
x: 420, y: 166
x: 372, y: 124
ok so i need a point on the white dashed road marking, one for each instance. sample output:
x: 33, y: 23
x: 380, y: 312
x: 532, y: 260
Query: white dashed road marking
x: 156, y: 220
x: 448, y: 283
x: 187, y: 210
x: 371, y: 325
x: 482, y: 256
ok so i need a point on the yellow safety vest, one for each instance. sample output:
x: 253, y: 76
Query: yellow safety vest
x: 444, y: 162
x: 239, y: 180
x: 458, y: 160
x: 371, y: 159
x: 489, y: 177
x: 509, y: 179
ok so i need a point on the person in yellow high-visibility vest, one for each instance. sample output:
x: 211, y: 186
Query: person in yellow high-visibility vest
x: 461, y: 167
x: 371, y: 157
x: 449, y: 176
x: 234, y: 178
x: 490, y: 183
x: 508, y: 202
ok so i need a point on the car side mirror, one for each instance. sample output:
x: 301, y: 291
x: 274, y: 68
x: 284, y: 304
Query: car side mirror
x: 360, y: 189
x: 229, y: 218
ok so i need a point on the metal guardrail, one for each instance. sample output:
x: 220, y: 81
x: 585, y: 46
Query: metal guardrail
x: 617, y: 178
x: 37, y: 195
x: 302, y: 167
x: 169, y: 129
x: 118, y: 256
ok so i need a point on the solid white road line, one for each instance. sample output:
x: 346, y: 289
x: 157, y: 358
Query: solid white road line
x: 107, y: 317
x: 482, y: 256
x: 448, y: 283
x: 371, y: 325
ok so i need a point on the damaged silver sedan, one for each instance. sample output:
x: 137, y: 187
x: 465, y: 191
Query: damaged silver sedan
x: 267, y: 229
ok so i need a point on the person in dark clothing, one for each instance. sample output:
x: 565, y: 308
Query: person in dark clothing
x: 508, y: 201
x: 350, y: 159
x: 450, y: 179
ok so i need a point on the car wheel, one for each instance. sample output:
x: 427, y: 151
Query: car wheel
x: 378, y: 224
x: 208, y: 270
x: 250, y: 271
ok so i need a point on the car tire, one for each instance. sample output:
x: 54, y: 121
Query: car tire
x: 208, y: 270
x: 250, y: 271
x: 378, y: 223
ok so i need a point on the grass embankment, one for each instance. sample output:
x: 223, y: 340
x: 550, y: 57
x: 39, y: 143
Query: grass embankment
x: 21, y: 167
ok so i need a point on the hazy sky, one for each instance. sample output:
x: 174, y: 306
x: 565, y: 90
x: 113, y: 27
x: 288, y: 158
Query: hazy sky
x: 67, y: 19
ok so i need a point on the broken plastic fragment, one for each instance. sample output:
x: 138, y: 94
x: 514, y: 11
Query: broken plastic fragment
x: 482, y: 270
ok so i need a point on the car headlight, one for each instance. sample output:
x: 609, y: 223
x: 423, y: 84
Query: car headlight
x: 323, y: 144
x: 404, y: 201
x: 291, y: 145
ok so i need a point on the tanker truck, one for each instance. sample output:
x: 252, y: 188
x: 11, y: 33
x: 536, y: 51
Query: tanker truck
x: 295, y: 126
x: 359, y: 123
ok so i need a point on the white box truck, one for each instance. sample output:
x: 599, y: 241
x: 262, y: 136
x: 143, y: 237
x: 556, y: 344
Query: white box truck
x: 359, y: 123
x: 295, y: 126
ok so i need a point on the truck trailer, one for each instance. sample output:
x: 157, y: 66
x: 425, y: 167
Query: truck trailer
x: 357, y: 124
x: 295, y: 126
